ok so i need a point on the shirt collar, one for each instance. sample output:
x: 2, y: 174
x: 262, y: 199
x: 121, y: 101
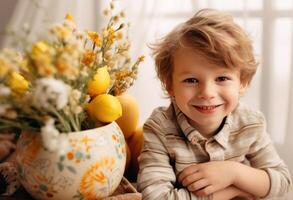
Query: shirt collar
x: 194, y: 136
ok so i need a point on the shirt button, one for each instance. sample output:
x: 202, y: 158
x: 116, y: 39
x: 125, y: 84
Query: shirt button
x: 194, y: 140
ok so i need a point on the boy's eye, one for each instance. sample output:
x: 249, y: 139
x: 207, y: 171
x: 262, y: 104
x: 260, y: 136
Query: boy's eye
x: 190, y: 80
x: 222, y: 78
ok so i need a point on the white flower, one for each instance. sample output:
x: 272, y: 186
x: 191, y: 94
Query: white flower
x: 52, y: 139
x: 74, y: 101
x: 50, y: 91
x: 50, y: 135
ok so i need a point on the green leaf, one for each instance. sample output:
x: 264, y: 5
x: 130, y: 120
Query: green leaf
x: 60, y: 166
x: 71, y: 169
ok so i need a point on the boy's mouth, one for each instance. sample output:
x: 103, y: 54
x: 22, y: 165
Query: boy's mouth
x: 207, y: 109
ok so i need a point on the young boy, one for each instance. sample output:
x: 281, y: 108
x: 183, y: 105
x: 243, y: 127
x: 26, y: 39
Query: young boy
x: 206, y: 145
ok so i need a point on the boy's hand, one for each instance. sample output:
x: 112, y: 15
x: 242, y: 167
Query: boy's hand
x: 206, y: 178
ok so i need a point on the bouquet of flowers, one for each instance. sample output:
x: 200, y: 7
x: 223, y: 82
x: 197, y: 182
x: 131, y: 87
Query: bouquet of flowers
x: 68, y: 81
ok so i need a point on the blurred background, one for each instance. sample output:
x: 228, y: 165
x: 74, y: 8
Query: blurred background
x: 268, y: 22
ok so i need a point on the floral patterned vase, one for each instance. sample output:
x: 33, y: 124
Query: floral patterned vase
x: 91, y: 168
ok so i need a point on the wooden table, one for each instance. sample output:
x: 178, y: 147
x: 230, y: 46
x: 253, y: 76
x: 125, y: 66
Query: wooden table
x: 21, y: 194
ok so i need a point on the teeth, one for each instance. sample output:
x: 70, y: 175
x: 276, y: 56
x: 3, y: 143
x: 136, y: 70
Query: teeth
x: 207, y: 107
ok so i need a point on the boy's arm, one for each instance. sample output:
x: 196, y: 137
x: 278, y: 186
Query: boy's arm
x: 253, y: 180
x: 268, y: 175
x: 210, y: 177
x: 230, y: 193
x: 263, y: 156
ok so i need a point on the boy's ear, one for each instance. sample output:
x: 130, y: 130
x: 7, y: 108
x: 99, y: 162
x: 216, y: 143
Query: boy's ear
x: 170, y: 92
x: 243, y: 88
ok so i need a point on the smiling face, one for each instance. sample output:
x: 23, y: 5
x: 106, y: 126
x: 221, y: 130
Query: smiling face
x: 206, y: 93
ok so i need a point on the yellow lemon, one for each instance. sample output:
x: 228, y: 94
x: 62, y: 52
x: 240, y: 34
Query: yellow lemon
x: 105, y: 108
x: 100, y: 82
x: 129, y: 120
x: 17, y: 83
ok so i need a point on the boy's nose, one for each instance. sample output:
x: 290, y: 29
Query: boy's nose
x: 206, y: 92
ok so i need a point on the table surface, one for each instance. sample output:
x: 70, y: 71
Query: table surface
x: 21, y: 194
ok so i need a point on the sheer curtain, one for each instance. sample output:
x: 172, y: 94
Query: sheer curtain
x: 39, y: 14
x: 269, y: 23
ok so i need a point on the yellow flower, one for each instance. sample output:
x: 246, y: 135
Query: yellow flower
x: 18, y: 84
x: 122, y: 14
x: 61, y: 65
x: 95, y: 37
x: 141, y: 58
x: 62, y: 32
x: 24, y: 66
x: 42, y: 58
x: 4, y: 69
x: 40, y: 47
x: 116, y: 18
x: 119, y: 35
x: 100, y: 82
x: 88, y: 57
x: 106, y: 12
x: 69, y: 17
x: 111, y: 35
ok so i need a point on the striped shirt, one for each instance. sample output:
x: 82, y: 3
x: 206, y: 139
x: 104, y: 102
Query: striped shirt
x: 171, y: 144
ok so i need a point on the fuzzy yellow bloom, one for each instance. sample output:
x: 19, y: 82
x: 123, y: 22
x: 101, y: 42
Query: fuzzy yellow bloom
x: 69, y: 17
x: 24, y: 66
x: 119, y: 35
x: 116, y: 18
x: 61, y: 65
x: 4, y: 69
x: 88, y: 57
x: 40, y: 47
x: 95, y: 37
x: 62, y: 32
x: 42, y: 58
x: 141, y: 58
x: 106, y: 12
x: 111, y: 35
x: 18, y: 84
x: 122, y: 14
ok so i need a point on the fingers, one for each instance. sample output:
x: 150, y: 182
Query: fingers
x: 197, y: 185
x: 205, y: 191
x: 191, y: 178
x: 187, y: 172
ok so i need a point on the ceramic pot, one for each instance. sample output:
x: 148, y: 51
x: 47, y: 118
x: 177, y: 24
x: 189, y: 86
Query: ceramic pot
x: 91, y: 168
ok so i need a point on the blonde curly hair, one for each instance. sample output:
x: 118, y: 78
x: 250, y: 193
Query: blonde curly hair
x: 212, y: 34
